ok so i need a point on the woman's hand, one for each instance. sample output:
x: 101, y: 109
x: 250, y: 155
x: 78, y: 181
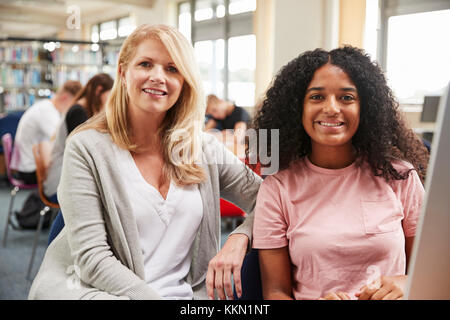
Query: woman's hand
x: 226, y: 263
x: 384, y: 288
x: 336, y: 296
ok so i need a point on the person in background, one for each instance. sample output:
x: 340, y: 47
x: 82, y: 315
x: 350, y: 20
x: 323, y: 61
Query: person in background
x: 338, y: 220
x: 140, y: 188
x: 225, y: 115
x: 88, y: 102
x: 39, y: 123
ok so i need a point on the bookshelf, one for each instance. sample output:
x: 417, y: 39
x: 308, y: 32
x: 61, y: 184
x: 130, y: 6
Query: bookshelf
x: 32, y: 69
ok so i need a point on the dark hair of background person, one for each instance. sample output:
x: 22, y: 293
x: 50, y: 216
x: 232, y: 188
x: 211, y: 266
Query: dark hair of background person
x: 383, y: 134
x: 93, y: 102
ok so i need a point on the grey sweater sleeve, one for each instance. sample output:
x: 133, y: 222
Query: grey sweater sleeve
x: 81, y: 204
x: 239, y: 185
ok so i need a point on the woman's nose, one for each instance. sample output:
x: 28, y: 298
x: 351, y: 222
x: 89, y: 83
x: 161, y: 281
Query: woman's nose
x: 331, y: 106
x: 157, y: 74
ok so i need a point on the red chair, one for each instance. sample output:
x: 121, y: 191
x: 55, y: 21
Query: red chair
x: 229, y: 211
x: 17, y: 184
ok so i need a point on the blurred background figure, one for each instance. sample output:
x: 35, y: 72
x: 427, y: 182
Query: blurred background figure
x: 89, y: 101
x: 229, y: 119
x: 32, y: 130
x: 224, y: 115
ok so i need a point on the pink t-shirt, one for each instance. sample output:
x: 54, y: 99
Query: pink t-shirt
x: 344, y: 227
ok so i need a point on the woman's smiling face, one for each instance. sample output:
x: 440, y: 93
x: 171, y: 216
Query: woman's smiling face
x: 152, y: 80
x: 331, y: 107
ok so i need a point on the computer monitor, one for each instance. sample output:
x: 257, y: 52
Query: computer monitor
x: 429, y: 268
x: 430, y: 108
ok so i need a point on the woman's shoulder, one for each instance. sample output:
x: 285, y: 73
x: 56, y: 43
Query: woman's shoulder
x: 398, y: 164
x: 295, y: 171
x: 89, y: 138
x: 207, y: 138
x: 401, y: 165
x: 210, y: 144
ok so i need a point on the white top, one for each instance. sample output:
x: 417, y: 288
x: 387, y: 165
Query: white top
x: 167, y: 228
x: 37, y: 124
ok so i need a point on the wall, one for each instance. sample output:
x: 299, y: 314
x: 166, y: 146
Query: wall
x: 161, y: 12
x: 302, y: 26
x: 351, y: 22
x: 263, y: 24
x: 298, y: 27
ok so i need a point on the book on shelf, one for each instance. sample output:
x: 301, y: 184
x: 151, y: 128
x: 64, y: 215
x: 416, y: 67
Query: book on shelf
x: 30, y: 72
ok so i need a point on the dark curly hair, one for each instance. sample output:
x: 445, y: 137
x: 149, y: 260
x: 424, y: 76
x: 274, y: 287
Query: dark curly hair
x: 382, y: 136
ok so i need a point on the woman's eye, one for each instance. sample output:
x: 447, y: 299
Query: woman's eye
x: 144, y: 64
x: 348, y: 98
x: 316, y: 97
x: 172, y: 69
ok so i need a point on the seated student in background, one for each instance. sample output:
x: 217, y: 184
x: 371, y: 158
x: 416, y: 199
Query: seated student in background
x: 222, y: 115
x: 338, y: 221
x: 140, y: 188
x: 88, y: 102
x: 39, y: 123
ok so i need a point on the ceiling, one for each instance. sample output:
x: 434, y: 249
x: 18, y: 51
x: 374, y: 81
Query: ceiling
x: 46, y: 18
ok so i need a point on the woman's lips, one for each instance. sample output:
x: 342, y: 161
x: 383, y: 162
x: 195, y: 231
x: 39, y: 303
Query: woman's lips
x: 331, y: 124
x: 155, y: 92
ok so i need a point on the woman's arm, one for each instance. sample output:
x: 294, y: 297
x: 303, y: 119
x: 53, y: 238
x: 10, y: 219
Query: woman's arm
x: 275, y: 269
x: 211, y: 124
x: 236, y: 188
x: 409, y: 242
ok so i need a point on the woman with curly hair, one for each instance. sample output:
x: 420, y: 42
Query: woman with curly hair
x: 339, y: 218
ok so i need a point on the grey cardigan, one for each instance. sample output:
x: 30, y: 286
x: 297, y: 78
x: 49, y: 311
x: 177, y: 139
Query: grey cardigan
x: 98, y: 255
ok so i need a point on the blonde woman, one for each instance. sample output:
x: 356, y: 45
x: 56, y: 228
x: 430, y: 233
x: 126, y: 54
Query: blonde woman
x: 141, y: 185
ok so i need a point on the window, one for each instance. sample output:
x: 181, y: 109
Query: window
x: 203, y: 10
x: 108, y: 30
x: 241, y: 68
x: 224, y: 44
x: 94, y: 34
x: 371, y: 28
x: 184, y: 20
x: 208, y: 9
x: 418, y: 54
x: 126, y: 26
x: 112, y: 29
x: 240, y: 6
x: 210, y: 59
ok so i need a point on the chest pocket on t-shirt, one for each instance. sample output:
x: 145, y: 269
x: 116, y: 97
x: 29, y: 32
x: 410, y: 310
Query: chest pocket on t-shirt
x: 381, y: 216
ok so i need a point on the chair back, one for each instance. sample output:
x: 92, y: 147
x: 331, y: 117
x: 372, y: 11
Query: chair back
x: 41, y: 153
x: 7, y: 151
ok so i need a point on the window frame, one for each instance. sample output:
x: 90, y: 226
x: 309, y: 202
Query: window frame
x: 225, y: 27
x: 117, y: 20
x: 390, y: 8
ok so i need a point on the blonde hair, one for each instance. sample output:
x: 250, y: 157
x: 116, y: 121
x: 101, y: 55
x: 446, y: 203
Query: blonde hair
x: 185, y: 116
